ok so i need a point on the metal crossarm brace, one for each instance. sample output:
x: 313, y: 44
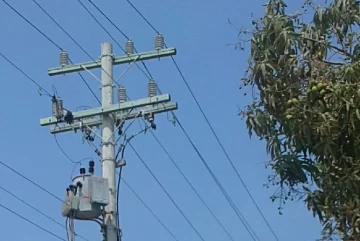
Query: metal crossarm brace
x: 117, y: 60
x: 112, y: 108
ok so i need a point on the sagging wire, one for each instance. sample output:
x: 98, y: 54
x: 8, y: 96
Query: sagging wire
x: 121, y: 163
x: 70, y: 228
x: 120, y: 125
x: 78, y: 163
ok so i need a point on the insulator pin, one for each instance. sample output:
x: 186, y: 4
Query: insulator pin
x: 152, y: 88
x: 121, y: 94
x: 129, y: 47
x: 64, y: 58
x: 159, y: 42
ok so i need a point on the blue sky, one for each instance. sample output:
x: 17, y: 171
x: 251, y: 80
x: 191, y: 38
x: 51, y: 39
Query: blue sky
x: 201, y: 33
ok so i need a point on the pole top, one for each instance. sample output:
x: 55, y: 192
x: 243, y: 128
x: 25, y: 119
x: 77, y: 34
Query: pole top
x: 106, y: 48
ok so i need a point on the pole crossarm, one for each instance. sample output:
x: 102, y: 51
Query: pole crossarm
x: 117, y: 60
x: 92, y: 122
x: 109, y: 109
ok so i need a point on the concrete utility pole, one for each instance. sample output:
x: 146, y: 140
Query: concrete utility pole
x: 108, y: 144
x: 110, y: 113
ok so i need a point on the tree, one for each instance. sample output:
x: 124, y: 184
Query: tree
x: 305, y: 80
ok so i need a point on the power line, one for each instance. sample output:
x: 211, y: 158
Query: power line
x: 70, y: 159
x: 122, y: 32
x: 148, y: 75
x: 230, y: 201
x: 51, y: 41
x: 76, y: 42
x: 167, y: 194
x: 149, y: 209
x: 238, y: 213
x: 37, y: 210
x: 102, y: 13
x: 143, y: 17
x: 32, y: 182
x: 192, y: 186
x: 24, y: 18
x: 63, y: 152
x: 53, y: 195
x: 27, y: 76
x: 222, y: 189
x: 212, y: 129
x: 31, y: 222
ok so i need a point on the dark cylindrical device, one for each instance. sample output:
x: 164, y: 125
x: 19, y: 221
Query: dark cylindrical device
x: 82, y: 171
x: 91, y: 167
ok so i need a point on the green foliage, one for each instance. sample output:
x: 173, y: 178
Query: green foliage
x: 307, y: 107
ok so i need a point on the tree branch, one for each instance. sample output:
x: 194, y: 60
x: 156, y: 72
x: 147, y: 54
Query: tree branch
x: 329, y: 45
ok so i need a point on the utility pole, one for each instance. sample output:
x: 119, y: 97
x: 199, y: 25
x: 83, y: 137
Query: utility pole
x: 64, y: 120
x: 108, y: 144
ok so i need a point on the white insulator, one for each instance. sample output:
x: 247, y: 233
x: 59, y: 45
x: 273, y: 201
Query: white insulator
x: 121, y: 94
x: 129, y: 47
x: 64, y: 58
x: 159, y: 42
x: 152, y: 88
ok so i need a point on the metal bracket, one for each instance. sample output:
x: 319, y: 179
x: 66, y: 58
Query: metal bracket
x: 117, y: 60
x: 91, y: 122
x: 113, y: 108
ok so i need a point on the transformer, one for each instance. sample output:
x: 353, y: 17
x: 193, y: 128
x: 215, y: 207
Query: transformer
x: 87, y: 196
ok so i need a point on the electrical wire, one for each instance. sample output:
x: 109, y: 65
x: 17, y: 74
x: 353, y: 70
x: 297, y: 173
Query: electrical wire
x: 212, y: 129
x: 192, y: 187
x: 143, y: 17
x: 67, y: 228
x: 64, y: 153
x: 27, y: 76
x: 238, y: 213
x: 32, y: 182
x: 122, y: 151
x: 222, y: 189
x: 230, y: 201
x: 111, y: 36
x: 167, y: 194
x: 122, y: 32
x: 31, y: 222
x: 97, y: 100
x: 149, y: 209
x: 76, y: 42
x: 117, y: 204
x: 51, y: 41
x: 37, y: 210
